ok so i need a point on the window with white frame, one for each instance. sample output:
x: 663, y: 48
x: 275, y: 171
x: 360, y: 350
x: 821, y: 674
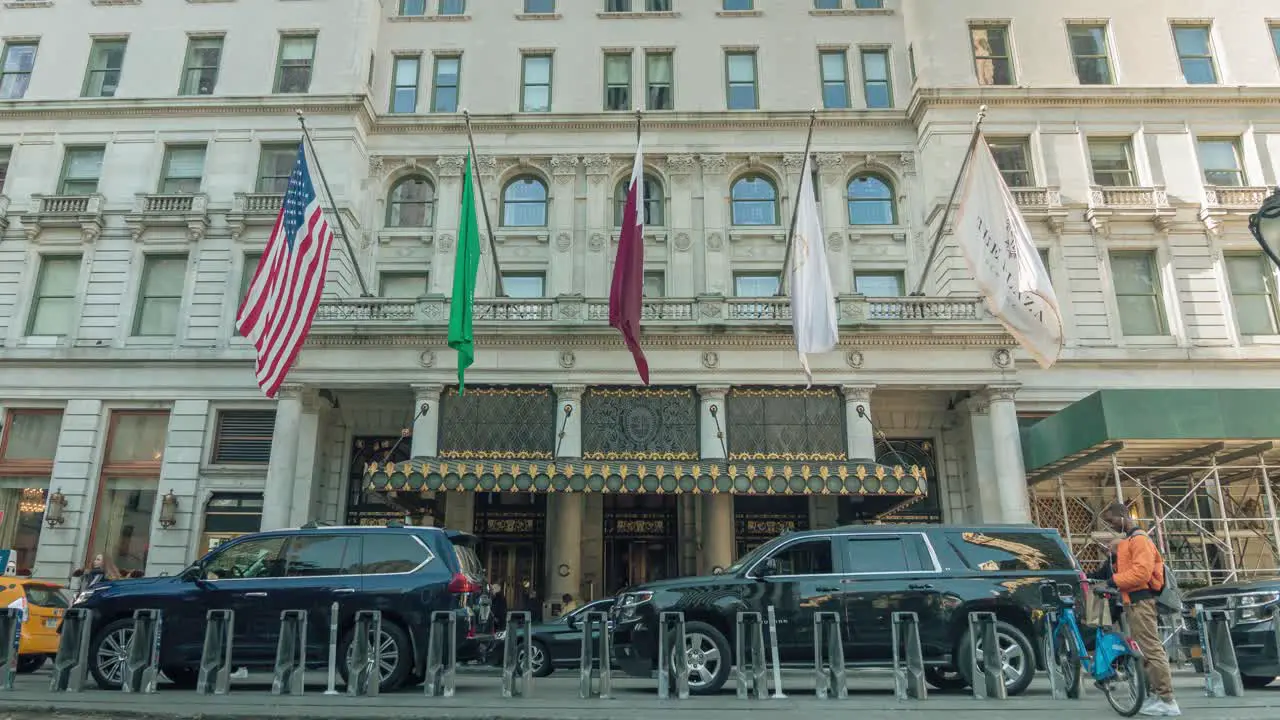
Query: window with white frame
x: 53, y: 303
x: 445, y: 88
x: 1139, y: 299
x: 1111, y: 161
x: 1252, y: 281
x: 81, y: 169
x: 536, y: 83
x: 1090, y: 51
x: 1013, y: 157
x: 659, y: 80
x: 251, y: 260
x: 106, y: 59
x: 1195, y: 54
x: 404, y: 83
x: 293, y: 67
x: 182, y: 170
x: 160, y: 295
x: 200, y: 71
x: 992, y: 54
x: 879, y: 284
x: 402, y: 285
x: 16, y: 65
x: 1220, y: 159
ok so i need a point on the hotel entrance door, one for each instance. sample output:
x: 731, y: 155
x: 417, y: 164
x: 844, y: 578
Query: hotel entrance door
x: 514, y: 567
x: 640, y: 542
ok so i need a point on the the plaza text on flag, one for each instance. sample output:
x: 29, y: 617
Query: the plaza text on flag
x: 813, y: 303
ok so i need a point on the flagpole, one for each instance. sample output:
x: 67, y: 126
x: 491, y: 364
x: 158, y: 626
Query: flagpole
x: 346, y: 241
x: 946, y: 212
x: 484, y: 207
x: 795, y: 205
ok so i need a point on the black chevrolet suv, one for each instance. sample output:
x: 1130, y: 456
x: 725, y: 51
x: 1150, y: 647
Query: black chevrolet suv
x: 1255, y: 626
x: 865, y: 574
x: 406, y: 572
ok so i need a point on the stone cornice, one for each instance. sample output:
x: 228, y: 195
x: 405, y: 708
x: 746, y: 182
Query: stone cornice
x: 551, y: 122
x: 926, y: 99
x: 283, y: 105
x: 682, y: 341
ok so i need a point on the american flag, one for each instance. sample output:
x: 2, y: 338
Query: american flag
x: 277, y: 311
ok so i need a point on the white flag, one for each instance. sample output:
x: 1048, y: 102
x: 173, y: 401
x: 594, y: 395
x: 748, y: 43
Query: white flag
x: 813, y: 303
x: 997, y: 246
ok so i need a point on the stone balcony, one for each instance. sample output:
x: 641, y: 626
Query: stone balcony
x: 1223, y: 203
x: 249, y: 209
x: 1128, y: 203
x: 188, y: 212
x: 1041, y: 203
x: 80, y: 212
x: 965, y: 314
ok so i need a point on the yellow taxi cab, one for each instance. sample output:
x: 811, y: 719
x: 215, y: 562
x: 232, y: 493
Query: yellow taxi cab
x: 43, y: 604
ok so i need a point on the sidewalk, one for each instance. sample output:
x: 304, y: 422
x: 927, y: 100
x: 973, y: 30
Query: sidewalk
x: 479, y: 697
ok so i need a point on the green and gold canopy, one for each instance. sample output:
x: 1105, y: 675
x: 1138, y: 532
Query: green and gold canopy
x: 732, y: 477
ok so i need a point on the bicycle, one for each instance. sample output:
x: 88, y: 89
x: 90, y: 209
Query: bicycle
x: 1115, y: 664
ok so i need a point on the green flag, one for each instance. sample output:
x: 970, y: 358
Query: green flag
x: 465, y: 267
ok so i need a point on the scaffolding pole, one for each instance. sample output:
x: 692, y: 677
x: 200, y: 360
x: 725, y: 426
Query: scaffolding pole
x: 1066, y: 520
x: 1271, y: 506
x: 1226, y: 523
x: 1115, y: 470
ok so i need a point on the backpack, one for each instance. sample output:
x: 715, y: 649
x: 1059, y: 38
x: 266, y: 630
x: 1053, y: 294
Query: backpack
x: 1169, y: 599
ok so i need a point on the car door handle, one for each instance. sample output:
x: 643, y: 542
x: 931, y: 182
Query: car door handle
x: 254, y: 594
x: 343, y: 591
x: 920, y: 586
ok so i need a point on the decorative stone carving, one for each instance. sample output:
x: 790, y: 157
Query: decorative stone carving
x: 835, y: 242
x: 376, y: 166
x: 427, y: 359
x: 564, y: 241
x: 854, y: 359
x: 597, y: 242
x: 598, y: 167
x: 571, y: 310
x: 1002, y: 358
x: 714, y: 163
x: 366, y: 239
x: 978, y: 404
x: 569, y: 393
x: 450, y: 165
x: 564, y: 168
x: 908, y: 162
x: 715, y: 241
x: 1001, y: 394
x: 793, y: 162
x: 858, y: 393
x: 487, y: 164
x: 710, y: 360
x: 446, y: 242
x: 681, y: 164
x: 567, y: 361
x: 829, y: 162
x: 683, y: 242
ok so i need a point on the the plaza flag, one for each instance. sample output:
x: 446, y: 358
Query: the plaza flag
x: 466, y: 265
x: 627, y: 292
x: 813, y: 302
x: 997, y: 246
x: 277, y: 311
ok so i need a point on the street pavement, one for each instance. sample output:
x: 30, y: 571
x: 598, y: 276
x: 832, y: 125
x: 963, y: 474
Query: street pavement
x: 479, y: 697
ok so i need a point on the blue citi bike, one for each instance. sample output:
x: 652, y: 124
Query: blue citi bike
x: 1115, y: 664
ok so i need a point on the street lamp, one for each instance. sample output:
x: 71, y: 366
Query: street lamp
x: 1265, y: 226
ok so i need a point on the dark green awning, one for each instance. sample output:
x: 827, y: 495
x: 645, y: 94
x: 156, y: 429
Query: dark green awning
x: 735, y: 477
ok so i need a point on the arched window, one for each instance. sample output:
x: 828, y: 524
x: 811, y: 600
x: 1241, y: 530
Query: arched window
x: 871, y: 201
x: 754, y: 201
x: 524, y: 203
x: 412, y: 203
x: 651, y: 201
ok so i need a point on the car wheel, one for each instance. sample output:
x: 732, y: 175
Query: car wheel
x: 709, y: 656
x: 28, y: 664
x: 1017, y: 658
x: 1253, y: 682
x: 109, y: 654
x: 539, y: 659
x: 945, y: 679
x: 182, y: 676
x: 394, y: 653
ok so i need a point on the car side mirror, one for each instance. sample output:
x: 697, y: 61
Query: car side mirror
x: 573, y: 623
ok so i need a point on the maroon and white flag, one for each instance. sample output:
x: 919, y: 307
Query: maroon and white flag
x: 627, y: 292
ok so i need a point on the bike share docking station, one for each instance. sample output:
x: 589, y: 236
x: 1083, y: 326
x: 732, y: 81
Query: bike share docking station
x: 442, y: 654
x: 517, y: 659
x: 71, y: 664
x: 142, y: 657
x: 987, y: 678
x: 908, y: 658
x: 595, y: 631
x: 673, y: 655
x: 10, y: 638
x: 215, y: 658
x: 1221, y: 668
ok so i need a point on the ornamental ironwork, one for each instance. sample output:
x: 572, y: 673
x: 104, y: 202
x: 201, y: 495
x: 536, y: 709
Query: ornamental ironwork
x: 786, y: 424
x: 919, y: 452
x: 491, y: 423
x: 363, y: 506
x: 640, y: 424
x: 639, y: 525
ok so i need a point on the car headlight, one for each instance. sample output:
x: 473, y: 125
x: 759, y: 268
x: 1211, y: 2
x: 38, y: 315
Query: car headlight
x: 500, y: 635
x: 1258, y: 599
x: 632, y: 599
x: 84, y: 595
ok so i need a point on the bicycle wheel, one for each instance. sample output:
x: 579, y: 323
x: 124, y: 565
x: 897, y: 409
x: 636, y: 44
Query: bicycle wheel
x: 1128, y: 689
x: 1067, y: 657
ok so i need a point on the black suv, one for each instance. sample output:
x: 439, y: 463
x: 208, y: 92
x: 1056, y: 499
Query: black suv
x: 1255, y: 627
x: 865, y: 574
x: 406, y: 572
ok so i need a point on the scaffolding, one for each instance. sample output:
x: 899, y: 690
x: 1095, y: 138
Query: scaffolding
x: 1210, y: 506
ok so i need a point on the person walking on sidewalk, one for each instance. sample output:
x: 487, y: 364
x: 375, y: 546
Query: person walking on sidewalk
x: 1139, y: 575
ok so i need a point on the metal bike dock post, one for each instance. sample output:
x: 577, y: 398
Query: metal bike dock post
x: 1057, y: 681
x: 673, y: 655
x: 289, y: 677
x: 364, y: 678
x: 908, y: 659
x: 1221, y: 669
x: 142, y: 658
x: 594, y: 623
x: 987, y: 677
x: 71, y: 664
x: 517, y: 666
x: 215, y: 659
x: 828, y: 657
x: 10, y: 638
x: 442, y: 654
x: 752, y: 673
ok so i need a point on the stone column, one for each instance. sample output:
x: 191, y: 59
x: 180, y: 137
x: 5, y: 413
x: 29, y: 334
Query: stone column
x: 426, y: 428
x: 982, y: 486
x: 565, y: 510
x: 283, y: 464
x: 717, y: 510
x: 1011, y: 476
x: 308, y: 468
x: 859, y: 432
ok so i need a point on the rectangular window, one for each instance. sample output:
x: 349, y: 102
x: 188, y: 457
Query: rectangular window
x: 539, y: 7
x: 835, y: 79
x: 737, y: 5
x: 106, y: 58
x: 1221, y: 161
x: 293, y: 67
x: 992, y: 56
x: 275, y: 165
x: 659, y: 80
x: 1138, y: 296
x: 875, y: 78
x: 200, y: 71
x: 826, y: 4
x: 1252, y: 280
x: 160, y: 296
x: 617, y: 5
x: 81, y: 168
x: 657, y: 5
x: 15, y: 69
x: 882, y: 554
x: 251, y: 260
x: 524, y: 285
x: 1092, y: 57
x: 536, y: 84
x: 121, y: 529
x: 453, y: 7
x: 1044, y: 257
x: 444, y: 91
x: 182, y: 170
x: 879, y: 284
x: 243, y: 437
x: 1013, y: 157
x: 53, y: 304
x: 655, y: 284
x: 1195, y: 54
x: 617, y: 81
x: 28, y: 443
x: 755, y: 285
x: 1275, y: 40
x: 4, y: 165
x: 868, y: 4
x: 1112, y: 162
x: 411, y: 8
x: 404, y: 84
x: 403, y: 285
x: 741, y: 75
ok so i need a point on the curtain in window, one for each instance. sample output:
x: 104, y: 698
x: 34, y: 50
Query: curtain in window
x: 22, y: 503
x: 32, y: 436
x: 122, y: 528
x: 138, y: 438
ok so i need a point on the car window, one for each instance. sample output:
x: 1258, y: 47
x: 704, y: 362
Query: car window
x: 259, y: 558
x: 1005, y: 551
x: 885, y: 554
x: 390, y: 553
x: 48, y: 596
x: 598, y: 606
x: 467, y: 559
x: 810, y: 557
x: 321, y: 555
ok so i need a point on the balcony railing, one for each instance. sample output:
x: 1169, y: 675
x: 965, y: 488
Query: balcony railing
x: 1235, y: 198
x: 1037, y: 199
x: 258, y: 203
x: 1143, y: 198
x: 708, y: 310
x: 68, y: 204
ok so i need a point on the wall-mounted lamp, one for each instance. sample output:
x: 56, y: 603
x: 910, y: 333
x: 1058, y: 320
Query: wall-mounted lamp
x: 53, y: 510
x: 168, y: 510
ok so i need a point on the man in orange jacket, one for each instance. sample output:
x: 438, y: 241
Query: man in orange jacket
x: 1139, y: 575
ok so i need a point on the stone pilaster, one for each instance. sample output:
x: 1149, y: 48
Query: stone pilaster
x: 859, y: 431
x: 981, y: 470
x: 426, y: 425
x: 717, y: 510
x: 565, y: 510
x: 283, y: 465
x: 1010, y: 475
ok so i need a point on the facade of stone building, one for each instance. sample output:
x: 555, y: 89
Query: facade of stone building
x: 144, y: 147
